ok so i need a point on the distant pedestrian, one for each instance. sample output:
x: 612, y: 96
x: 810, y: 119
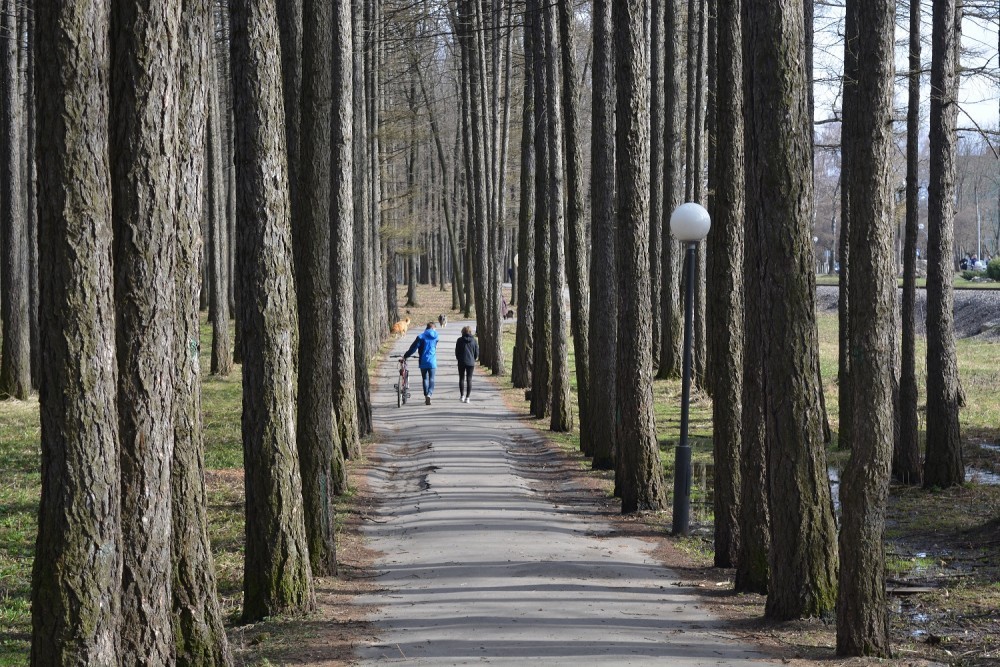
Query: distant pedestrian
x: 426, y: 345
x: 467, y: 353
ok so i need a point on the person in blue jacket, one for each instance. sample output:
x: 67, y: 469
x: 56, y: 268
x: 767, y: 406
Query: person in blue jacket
x: 426, y: 345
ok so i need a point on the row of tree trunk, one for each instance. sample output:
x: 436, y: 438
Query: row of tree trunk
x: 135, y: 142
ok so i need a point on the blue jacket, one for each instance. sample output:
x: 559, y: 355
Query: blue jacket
x: 426, y: 343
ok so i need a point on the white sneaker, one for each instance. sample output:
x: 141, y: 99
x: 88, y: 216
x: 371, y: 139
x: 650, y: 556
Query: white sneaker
x: 465, y: 399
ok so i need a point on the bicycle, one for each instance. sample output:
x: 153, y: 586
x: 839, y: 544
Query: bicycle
x: 403, y: 385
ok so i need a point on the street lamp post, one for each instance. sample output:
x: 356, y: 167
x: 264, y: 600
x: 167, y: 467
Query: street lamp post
x: 689, y: 224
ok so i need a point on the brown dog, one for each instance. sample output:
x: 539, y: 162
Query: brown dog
x: 400, y: 327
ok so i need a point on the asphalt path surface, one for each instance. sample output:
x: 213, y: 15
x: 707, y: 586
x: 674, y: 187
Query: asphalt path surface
x: 479, y: 566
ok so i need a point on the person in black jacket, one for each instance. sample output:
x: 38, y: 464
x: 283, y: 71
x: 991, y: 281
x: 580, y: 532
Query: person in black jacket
x: 467, y: 353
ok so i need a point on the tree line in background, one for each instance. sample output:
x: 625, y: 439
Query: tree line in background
x: 295, y: 162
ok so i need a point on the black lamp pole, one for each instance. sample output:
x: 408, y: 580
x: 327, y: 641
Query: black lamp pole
x: 682, y: 453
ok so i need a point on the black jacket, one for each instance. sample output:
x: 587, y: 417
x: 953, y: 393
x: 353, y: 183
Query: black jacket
x: 467, y: 351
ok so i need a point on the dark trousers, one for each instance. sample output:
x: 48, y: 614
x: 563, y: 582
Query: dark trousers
x: 465, y: 379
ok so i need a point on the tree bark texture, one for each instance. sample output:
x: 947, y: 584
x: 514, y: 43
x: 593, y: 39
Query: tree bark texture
x: 318, y: 445
x: 862, y: 617
x: 290, y: 41
x: 906, y: 465
x: 561, y: 417
x: 222, y: 357
x: 657, y: 116
x: 850, y: 106
x: 363, y: 265
x: 752, y: 569
x: 199, y: 633
x: 541, y: 382
x: 524, y: 337
x: 803, y: 560
x: 342, y: 242
x: 603, y: 265
x: 76, y: 576
x: 673, y: 190
x: 15, y: 354
x: 277, y: 577
x: 725, y: 305
x: 144, y: 84
x: 31, y: 202
x: 640, y: 473
x: 943, y: 465
x: 576, y: 233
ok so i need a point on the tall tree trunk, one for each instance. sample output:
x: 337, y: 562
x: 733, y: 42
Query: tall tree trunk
x: 363, y: 349
x: 657, y: 153
x: 862, y: 618
x: 576, y: 260
x: 15, y: 355
x: 524, y: 337
x: 144, y: 142
x: 290, y: 33
x: 75, y: 611
x: 725, y: 281
x: 700, y: 339
x: 541, y: 382
x: 943, y: 466
x: 673, y: 190
x: 640, y: 473
x: 342, y: 243
x: 603, y: 265
x: 277, y: 577
x: 561, y: 418
x: 222, y: 358
x: 803, y: 560
x: 31, y: 214
x: 320, y: 453
x: 906, y: 460
x: 199, y: 634
x: 849, y: 108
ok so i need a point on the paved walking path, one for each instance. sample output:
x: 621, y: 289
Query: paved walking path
x: 478, y: 567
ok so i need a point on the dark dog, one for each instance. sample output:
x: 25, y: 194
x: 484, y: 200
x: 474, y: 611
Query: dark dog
x: 509, y: 315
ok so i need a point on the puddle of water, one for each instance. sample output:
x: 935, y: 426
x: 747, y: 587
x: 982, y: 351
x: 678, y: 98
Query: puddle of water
x: 989, y: 447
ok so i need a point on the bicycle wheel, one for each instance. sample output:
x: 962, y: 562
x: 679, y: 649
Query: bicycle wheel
x: 399, y: 394
x: 406, y: 386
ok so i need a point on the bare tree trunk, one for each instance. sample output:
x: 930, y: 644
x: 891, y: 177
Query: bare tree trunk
x: 576, y: 260
x: 657, y: 153
x: 144, y: 118
x: 700, y: 342
x: 603, y: 266
x: 943, y: 466
x: 561, y: 418
x: 199, y: 634
x: 803, y: 560
x: 342, y: 243
x: 31, y: 214
x: 364, y: 347
x: 277, y: 577
x: 75, y: 611
x: 725, y: 281
x: 849, y: 108
x: 862, y: 618
x: 222, y: 359
x: 320, y: 453
x: 15, y: 355
x: 906, y: 460
x: 640, y: 474
x: 673, y: 190
x: 541, y: 382
x: 524, y: 339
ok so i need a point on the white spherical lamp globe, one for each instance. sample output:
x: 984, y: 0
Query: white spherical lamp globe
x: 690, y: 222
